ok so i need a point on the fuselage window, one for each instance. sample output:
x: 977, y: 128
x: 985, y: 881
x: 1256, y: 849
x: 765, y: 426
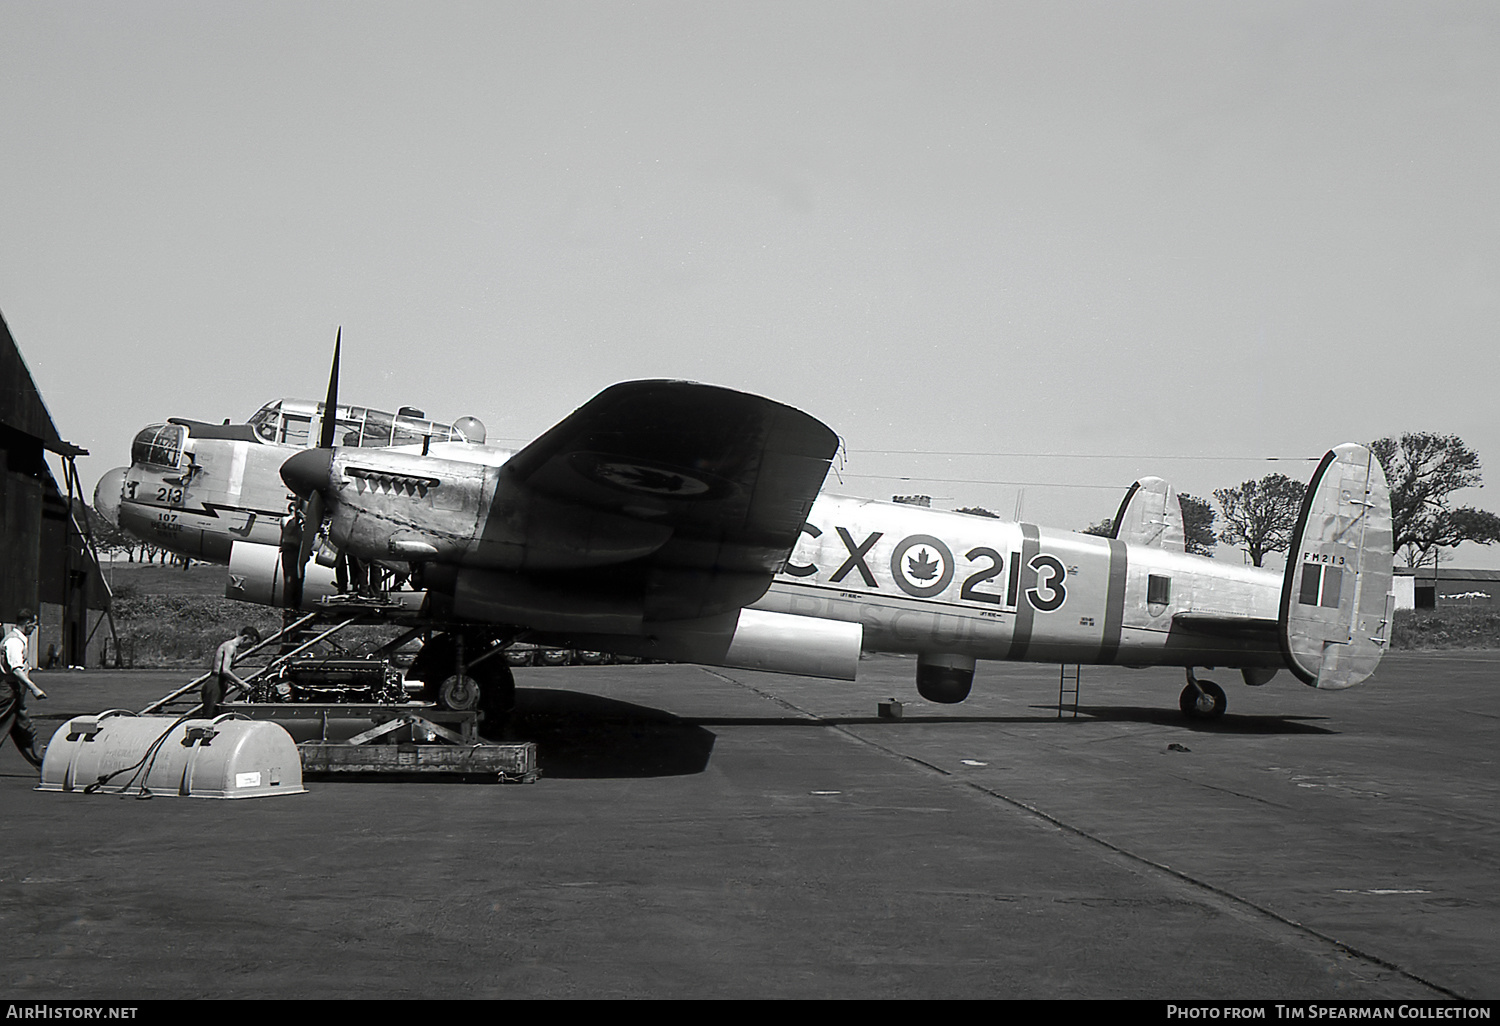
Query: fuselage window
x: 378, y: 428
x: 265, y: 422
x: 346, y: 433
x: 1158, y: 590
x: 411, y: 432
x: 351, y: 420
x: 295, y: 430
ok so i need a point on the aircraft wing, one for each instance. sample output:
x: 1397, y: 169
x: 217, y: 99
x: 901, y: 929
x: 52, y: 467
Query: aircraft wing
x: 724, y: 479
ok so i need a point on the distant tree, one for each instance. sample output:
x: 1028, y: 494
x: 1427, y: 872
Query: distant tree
x: 978, y: 511
x: 106, y: 536
x: 913, y: 500
x: 1198, y: 518
x: 1104, y: 528
x: 1424, y: 470
x: 1261, y: 515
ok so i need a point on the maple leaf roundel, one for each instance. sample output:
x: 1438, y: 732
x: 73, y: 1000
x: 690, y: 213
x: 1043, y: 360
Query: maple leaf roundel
x: 921, y: 565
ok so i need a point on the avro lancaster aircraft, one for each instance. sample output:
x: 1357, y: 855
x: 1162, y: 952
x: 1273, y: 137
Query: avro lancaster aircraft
x: 683, y: 521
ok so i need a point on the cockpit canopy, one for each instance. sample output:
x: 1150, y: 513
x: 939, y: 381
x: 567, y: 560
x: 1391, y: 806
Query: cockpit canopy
x: 159, y: 445
x: 298, y: 422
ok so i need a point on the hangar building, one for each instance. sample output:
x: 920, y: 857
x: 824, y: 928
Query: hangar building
x: 47, y: 563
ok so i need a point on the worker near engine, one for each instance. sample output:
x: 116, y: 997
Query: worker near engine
x: 222, y: 676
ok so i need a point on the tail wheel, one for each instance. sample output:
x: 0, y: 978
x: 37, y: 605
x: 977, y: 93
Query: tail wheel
x: 1203, y: 701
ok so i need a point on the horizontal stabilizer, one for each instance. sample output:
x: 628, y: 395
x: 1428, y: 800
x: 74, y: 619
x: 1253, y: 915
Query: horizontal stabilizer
x: 1336, y: 600
x: 1151, y: 515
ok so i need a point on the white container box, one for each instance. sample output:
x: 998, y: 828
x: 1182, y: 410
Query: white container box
x: 118, y: 752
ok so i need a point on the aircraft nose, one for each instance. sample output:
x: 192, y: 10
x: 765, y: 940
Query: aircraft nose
x: 308, y: 471
x: 107, y: 494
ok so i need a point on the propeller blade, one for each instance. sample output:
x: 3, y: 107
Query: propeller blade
x: 331, y: 404
x: 291, y: 571
x: 306, y: 474
x: 312, y: 520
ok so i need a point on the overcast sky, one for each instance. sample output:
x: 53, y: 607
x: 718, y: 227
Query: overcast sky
x: 1142, y: 231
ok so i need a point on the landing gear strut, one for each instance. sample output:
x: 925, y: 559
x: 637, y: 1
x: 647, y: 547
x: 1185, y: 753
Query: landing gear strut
x: 1202, y: 699
x: 464, y: 673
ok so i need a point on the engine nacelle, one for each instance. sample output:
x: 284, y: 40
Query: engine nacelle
x: 806, y: 645
x: 748, y: 639
x: 398, y: 506
x: 943, y: 677
x: 256, y: 575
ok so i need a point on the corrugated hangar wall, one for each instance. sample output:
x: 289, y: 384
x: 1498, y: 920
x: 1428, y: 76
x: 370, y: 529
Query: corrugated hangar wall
x: 46, y: 565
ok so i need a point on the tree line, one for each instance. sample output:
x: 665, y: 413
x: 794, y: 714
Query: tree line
x: 1424, y: 470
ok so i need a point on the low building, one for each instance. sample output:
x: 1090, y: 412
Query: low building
x: 1426, y: 588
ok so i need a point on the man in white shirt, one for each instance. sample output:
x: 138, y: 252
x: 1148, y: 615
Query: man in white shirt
x: 14, y: 677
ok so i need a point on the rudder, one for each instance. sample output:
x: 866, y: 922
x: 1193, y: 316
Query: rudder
x: 1151, y: 515
x: 1336, y: 600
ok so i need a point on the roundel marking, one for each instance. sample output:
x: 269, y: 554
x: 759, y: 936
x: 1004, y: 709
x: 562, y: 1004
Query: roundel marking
x: 925, y: 572
x: 642, y: 477
x: 639, y: 477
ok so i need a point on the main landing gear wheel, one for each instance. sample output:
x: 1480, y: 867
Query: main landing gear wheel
x: 459, y: 692
x: 488, y: 687
x: 1203, y: 700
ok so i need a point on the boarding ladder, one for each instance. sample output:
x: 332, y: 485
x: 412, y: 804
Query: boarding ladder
x: 1068, y: 680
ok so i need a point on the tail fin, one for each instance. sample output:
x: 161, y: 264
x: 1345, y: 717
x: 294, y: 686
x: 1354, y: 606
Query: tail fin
x: 1151, y: 515
x: 1336, y: 600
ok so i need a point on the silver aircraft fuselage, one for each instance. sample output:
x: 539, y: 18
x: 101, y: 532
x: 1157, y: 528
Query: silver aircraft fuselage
x: 919, y: 579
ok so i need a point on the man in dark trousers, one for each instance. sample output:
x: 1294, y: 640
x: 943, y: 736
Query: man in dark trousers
x: 15, y: 681
x: 222, y: 675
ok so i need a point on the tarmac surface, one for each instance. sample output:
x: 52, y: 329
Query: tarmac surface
x: 729, y: 834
